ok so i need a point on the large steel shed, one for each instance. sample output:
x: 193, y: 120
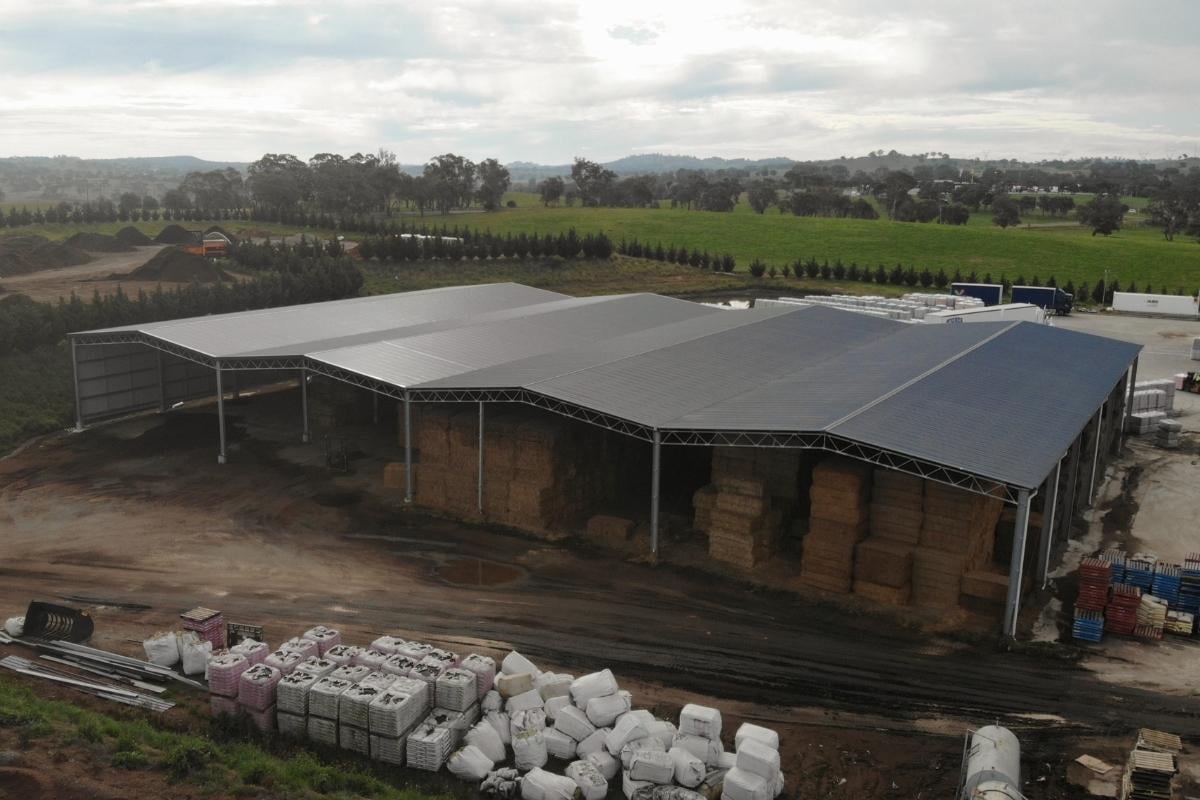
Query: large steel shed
x: 1005, y: 408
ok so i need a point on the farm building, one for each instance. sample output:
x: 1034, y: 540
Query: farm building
x: 909, y: 464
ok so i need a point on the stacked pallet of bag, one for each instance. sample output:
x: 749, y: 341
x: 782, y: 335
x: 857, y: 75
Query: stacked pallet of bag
x: 957, y: 535
x: 837, y: 523
x: 392, y: 716
x: 354, y: 710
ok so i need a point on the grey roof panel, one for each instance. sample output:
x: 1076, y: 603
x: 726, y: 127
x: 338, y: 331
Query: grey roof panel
x: 659, y: 386
x: 1007, y: 410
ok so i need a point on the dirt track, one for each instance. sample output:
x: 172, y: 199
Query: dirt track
x: 83, y: 279
x: 137, y: 521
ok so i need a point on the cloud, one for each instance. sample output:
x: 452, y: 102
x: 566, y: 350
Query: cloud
x: 542, y: 81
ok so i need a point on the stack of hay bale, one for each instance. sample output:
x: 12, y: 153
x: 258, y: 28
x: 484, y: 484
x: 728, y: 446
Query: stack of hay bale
x: 753, y: 498
x: 883, y: 561
x: 837, y: 523
x: 957, y: 535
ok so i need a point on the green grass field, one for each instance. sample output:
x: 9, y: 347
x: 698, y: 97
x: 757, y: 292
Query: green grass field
x: 1068, y: 252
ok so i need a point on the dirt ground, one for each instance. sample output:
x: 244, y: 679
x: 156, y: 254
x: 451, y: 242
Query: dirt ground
x: 85, y: 279
x: 136, y: 522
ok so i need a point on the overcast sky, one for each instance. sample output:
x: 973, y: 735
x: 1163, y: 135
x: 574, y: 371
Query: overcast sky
x: 545, y: 81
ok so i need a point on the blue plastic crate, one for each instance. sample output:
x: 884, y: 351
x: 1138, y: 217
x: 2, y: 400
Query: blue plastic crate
x: 1088, y: 626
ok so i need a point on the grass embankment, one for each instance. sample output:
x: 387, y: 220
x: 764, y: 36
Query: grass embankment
x: 621, y: 275
x: 1068, y: 252
x: 225, y: 761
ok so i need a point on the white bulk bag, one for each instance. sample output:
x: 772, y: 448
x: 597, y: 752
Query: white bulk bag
x: 574, y: 723
x: 706, y: 750
x: 558, y: 744
x: 742, y: 785
x: 779, y: 785
x: 608, y: 766
x: 485, y: 737
x: 555, y: 705
x: 501, y: 724
x: 594, y: 743
x: 524, y: 702
x: 492, y: 701
x: 553, y: 684
x: 193, y: 653
x: 663, y: 731
x: 162, y: 649
x: 595, y: 684
x: 591, y: 783
x: 629, y: 786
x: 542, y: 785
x: 15, y: 626
x: 629, y: 728
x: 630, y: 748
x: 655, y: 766
x: 470, y: 764
x: 759, y: 759
x: 529, y: 750
x: 689, y: 770
x: 511, y: 684
x: 758, y: 733
x: 532, y: 720
x: 696, y: 720
x: 514, y: 662
x: 603, y: 711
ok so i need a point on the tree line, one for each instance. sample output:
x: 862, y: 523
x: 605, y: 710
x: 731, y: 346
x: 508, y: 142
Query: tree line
x: 281, y: 276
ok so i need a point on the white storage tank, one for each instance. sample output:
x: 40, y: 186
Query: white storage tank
x: 993, y: 766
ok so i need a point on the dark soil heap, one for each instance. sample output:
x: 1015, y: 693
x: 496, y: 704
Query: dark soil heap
x: 98, y: 243
x: 174, y: 265
x: 20, y: 255
x: 132, y: 236
x: 175, y: 234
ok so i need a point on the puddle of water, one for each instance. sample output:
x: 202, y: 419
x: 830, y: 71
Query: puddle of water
x: 476, y: 572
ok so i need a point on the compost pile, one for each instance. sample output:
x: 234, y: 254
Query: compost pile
x: 98, y: 243
x: 175, y: 234
x: 20, y: 255
x: 132, y: 236
x: 174, y: 265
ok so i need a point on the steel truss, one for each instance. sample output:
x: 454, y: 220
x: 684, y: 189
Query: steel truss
x: 353, y: 378
x: 141, y: 338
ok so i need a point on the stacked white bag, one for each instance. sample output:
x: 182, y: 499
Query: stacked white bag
x: 756, y: 774
x: 700, y: 734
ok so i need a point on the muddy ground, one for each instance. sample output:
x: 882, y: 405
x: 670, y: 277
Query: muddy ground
x: 85, y: 279
x: 136, y: 522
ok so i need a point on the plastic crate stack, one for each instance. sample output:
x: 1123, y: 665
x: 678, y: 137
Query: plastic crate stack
x: 1089, y: 625
x: 208, y: 624
x: 1095, y: 575
x: 1189, y: 584
x: 1167, y: 583
x: 1120, y: 617
x: 1117, y: 559
x: 1139, y: 571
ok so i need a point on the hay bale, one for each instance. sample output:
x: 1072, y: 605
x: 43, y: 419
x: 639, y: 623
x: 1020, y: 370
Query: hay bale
x: 985, y: 585
x: 937, y: 577
x: 843, y: 473
x: 609, y: 530
x: 881, y: 593
x: 747, y: 487
x: 394, y: 475
x: 883, y: 562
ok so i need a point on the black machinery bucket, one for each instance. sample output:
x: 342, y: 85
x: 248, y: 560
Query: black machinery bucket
x: 48, y: 621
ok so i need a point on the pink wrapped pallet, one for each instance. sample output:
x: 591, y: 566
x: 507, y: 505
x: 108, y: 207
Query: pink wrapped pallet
x: 224, y: 706
x: 388, y: 644
x: 307, y: 647
x: 208, y: 624
x: 342, y: 654
x: 284, y: 660
x: 255, y: 652
x: 484, y: 668
x: 324, y: 637
x: 256, y: 687
x: 224, y: 671
x: 370, y: 658
x: 263, y: 720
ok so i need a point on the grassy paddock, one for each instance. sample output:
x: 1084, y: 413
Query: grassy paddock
x: 229, y: 759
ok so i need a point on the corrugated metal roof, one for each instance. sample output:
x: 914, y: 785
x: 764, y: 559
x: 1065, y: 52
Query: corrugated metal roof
x: 999, y: 400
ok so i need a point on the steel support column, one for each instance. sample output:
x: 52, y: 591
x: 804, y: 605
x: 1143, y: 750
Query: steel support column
x: 655, y: 464
x: 1068, y: 505
x: 162, y: 384
x: 75, y: 381
x: 304, y: 437
x: 1127, y: 417
x: 408, y: 481
x: 1097, y: 436
x: 479, y: 477
x: 220, y: 415
x: 1016, y: 566
x: 375, y: 408
x: 1049, y: 507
